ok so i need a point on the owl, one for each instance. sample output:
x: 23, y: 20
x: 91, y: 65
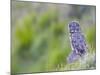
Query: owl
x: 77, y: 41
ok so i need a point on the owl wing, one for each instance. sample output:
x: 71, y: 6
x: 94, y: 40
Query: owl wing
x: 78, y: 43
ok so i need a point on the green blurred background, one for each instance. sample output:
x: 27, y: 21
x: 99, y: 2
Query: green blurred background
x: 40, y: 39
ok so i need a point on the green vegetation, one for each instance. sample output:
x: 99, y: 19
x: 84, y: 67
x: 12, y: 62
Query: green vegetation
x: 40, y: 43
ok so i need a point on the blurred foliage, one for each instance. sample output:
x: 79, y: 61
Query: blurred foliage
x: 40, y: 42
x: 91, y: 36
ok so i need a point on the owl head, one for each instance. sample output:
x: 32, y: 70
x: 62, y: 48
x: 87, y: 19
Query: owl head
x: 74, y: 27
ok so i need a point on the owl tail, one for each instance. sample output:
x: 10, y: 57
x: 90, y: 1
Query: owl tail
x: 72, y: 57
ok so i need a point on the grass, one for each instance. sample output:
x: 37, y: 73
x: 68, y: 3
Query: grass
x: 40, y: 43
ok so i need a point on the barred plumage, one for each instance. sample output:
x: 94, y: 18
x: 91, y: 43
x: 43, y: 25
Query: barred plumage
x: 77, y: 40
